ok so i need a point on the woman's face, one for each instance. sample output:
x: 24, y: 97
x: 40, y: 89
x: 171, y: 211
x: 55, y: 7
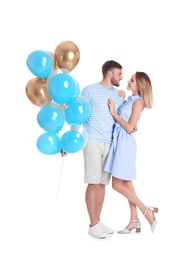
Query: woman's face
x: 132, y: 85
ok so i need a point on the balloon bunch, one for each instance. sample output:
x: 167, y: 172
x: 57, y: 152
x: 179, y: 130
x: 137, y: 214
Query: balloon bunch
x: 57, y: 93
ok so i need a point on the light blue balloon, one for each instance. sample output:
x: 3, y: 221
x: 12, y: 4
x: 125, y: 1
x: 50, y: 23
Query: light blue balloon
x: 51, y: 119
x: 49, y: 143
x: 40, y: 63
x: 77, y: 89
x: 77, y: 112
x: 72, y: 141
x: 76, y: 92
x: 61, y: 87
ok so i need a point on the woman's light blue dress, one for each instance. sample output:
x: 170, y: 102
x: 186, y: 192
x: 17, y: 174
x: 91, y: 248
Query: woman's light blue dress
x: 121, y: 160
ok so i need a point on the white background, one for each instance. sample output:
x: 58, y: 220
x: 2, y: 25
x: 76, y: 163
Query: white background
x: 149, y: 36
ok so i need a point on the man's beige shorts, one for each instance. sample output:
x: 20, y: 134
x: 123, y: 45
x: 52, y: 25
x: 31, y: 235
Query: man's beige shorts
x: 95, y: 155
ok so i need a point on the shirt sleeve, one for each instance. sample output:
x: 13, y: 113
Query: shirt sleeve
x: 85, y: 95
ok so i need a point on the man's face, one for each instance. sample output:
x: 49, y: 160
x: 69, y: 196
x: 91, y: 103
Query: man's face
x: 116, y: 76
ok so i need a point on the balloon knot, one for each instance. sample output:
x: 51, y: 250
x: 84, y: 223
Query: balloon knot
x: 63, y: 153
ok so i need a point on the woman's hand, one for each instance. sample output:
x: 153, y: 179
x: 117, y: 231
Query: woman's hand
x: 134, y: 130
x: 111, y: 105
x: 121, y: 93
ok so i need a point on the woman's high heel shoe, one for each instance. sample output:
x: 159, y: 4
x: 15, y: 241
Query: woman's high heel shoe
x: 137, y: 229
x: 154, y: 210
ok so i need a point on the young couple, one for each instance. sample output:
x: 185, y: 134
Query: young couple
x: 111, y: 147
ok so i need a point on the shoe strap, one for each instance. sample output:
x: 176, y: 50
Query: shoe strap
x: 146, y: 211
x: 138, y: 222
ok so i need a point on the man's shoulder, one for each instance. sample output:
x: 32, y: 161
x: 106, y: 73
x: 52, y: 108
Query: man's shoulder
x: 90, y: 87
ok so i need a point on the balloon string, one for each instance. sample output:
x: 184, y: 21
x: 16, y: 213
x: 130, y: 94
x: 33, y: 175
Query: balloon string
x: 60, y: 174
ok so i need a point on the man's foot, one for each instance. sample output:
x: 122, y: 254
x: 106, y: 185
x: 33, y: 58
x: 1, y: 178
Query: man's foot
x: 96, y: 231
x: 106, y: 229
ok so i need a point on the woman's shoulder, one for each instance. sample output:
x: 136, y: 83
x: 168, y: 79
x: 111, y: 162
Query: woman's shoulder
x: 139, y: 102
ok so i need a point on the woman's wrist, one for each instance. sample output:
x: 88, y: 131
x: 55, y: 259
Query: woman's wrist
x: 114, y: 114
x: 117, y: 117
x: 119, y: 120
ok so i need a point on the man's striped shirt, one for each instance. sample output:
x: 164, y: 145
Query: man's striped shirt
x: 99, y: 125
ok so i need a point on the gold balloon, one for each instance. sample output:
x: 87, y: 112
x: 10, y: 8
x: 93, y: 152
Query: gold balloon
x: 55, y: 65
x: 67, y: 55
x: 37, y: 92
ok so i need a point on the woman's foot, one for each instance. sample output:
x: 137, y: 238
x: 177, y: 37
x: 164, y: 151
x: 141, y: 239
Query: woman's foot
x: 133, y: 226
x: 150, y: 216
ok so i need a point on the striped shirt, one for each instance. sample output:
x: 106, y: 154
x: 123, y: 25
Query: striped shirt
x: 99, y: 125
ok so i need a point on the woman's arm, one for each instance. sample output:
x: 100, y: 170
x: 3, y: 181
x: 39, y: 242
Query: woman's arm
x: 136, y: 110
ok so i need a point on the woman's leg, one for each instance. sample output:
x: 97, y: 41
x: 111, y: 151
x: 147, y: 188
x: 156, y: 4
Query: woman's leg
x: 126, y: 188
x: 133, y: 208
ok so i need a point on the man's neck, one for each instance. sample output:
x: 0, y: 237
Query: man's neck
x: 106, y: 83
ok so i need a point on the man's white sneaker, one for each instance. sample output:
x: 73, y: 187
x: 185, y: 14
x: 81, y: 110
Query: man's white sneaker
x: 96, y: 231
x: 106, y: 229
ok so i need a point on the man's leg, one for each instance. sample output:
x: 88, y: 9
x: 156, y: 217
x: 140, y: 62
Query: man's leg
x: 95, y: 194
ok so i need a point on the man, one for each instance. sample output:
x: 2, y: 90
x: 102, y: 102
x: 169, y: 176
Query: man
x: 99, y: 127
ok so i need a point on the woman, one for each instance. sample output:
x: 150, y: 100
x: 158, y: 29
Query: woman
x: 121, y: 160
